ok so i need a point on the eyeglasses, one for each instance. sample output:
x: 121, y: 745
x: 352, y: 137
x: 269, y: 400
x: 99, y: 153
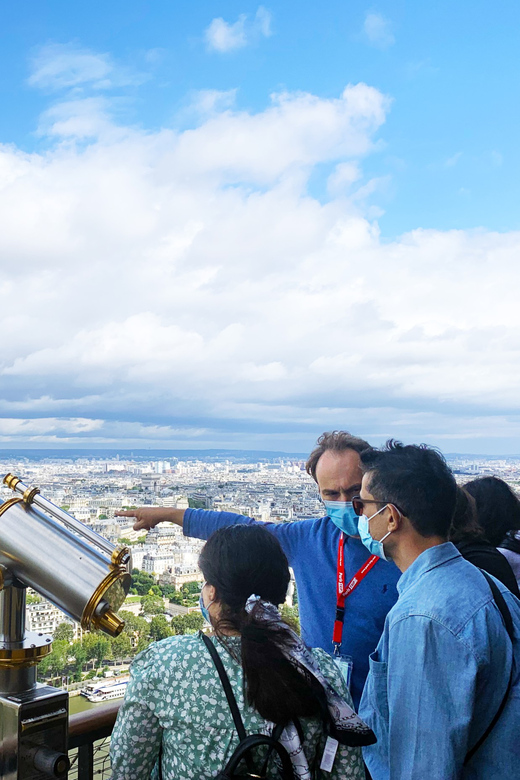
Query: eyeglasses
x: 358, y: 504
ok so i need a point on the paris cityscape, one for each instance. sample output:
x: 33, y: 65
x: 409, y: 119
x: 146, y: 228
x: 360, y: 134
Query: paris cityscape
x: 268, y: 489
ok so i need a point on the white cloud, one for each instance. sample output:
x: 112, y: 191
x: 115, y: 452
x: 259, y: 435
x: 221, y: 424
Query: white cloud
x: 223, y: 36
x: 48, y: 430
x: 343, y: 177
x: 453, y: 160
x: 15, y: 427
x: 61, y: 66
x: 263, y: 21
x: 378, y: 31
x: 183, y: 286
x: 78, y: 119
x: 68, y: 66
x: 211, y: 101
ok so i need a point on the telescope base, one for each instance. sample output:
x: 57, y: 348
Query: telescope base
x: 33, y: 743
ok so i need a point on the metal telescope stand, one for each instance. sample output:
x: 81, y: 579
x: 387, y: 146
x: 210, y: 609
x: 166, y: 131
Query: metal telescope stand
x: 33, y: 717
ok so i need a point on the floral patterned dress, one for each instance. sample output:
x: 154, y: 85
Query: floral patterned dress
x: 175, y: 696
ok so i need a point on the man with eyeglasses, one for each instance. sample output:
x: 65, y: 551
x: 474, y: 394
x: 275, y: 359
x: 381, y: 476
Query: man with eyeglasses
x: 443, y: 691
x: 342, y: 603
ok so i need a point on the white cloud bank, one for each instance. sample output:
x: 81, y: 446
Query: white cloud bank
x: 222, y: 36
x: 184, y: 288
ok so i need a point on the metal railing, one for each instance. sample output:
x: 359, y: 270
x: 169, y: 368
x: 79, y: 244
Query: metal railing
x: 89, y: 742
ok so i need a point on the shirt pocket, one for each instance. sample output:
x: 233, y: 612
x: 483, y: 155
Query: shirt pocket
x: 378, y: 685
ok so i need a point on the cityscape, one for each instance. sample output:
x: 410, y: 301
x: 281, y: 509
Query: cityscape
x: 275, y: 489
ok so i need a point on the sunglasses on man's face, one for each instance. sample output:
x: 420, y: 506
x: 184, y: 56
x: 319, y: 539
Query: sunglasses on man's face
x: 358, y: 504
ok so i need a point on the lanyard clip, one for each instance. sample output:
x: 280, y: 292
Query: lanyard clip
x: 337, y: 648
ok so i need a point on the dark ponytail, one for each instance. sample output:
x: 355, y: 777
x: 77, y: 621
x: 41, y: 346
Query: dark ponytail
x: 464, y: 523
x: 240, y: 561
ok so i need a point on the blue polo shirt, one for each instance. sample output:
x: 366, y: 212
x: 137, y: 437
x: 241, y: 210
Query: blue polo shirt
x: 311, y: 547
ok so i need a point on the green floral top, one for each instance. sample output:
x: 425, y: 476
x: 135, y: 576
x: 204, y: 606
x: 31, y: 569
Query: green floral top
x: 175, y: 694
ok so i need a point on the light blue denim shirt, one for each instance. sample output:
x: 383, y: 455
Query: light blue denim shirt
x: 439, y: 674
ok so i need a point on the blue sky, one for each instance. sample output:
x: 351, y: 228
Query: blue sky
x: 449, y: 147
x: 238, y: 224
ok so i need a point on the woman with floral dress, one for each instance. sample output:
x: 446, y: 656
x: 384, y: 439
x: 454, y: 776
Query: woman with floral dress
x: 175, y: 705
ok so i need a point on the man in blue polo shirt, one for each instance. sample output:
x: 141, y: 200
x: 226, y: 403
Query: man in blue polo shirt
x: 312, y: 548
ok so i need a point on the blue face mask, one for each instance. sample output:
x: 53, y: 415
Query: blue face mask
x: 374, y: 546
x: 205, y: 609
x: 342, y: 514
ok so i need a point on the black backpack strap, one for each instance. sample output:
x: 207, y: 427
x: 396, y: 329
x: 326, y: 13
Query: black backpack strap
x: 224, y: 679
x: 501, y: 604
x: 508, y: 620
x: 253, y: 741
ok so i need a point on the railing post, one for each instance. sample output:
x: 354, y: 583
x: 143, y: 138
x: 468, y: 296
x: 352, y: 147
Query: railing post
x: 85, y: 729
x: 86, y: 761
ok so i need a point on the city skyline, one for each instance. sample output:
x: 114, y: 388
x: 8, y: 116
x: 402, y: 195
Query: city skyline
x: 236, y: 225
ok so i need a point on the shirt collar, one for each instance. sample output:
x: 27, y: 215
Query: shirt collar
x: 427, y: 560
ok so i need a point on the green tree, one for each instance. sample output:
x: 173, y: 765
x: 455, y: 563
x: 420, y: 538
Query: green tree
x: 101, y: 649
x: 56, y: 662
x: 103, y: 517
x: 291, y: 616
x: 159, y: 628
x: 80, y: 654
x: 152, y: 605
x: 167, y: 590
x: 187, y: 624
x: 133, y: 623
x: 142, y: 582
x: 192, y: 587
x: 137, y: 629
x: 196, y: 503
x: 88, y: 643
x: 121, y: 647
x: 64, y: 631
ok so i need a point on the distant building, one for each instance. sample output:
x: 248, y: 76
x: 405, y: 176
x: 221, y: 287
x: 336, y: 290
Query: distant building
x: 158, y: 561
x: 138, y: 552
x: 164, y: 535
x: 177, y: 576
x: 45, y: 618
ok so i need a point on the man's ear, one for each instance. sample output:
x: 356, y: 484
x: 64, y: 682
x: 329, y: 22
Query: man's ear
x: 395, y: 518
x: 211, y: 592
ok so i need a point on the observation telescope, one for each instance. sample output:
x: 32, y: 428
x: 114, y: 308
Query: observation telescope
x: 81, y: 573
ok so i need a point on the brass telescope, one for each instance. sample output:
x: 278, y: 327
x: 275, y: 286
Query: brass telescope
x: 81, y: 573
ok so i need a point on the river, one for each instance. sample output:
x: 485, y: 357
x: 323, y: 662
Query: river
x: 81, y: 703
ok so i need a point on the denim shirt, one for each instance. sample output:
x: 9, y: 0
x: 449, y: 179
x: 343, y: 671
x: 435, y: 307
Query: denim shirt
x: 439, y: 674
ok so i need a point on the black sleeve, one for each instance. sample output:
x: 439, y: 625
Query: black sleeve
x: 491, y: 560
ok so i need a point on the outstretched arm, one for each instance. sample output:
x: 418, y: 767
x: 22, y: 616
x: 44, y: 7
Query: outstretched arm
x: 147, y: 517
x: 201, y: 523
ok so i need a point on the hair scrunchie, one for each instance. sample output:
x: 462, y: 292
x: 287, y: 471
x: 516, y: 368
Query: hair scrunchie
x: 269, y: 611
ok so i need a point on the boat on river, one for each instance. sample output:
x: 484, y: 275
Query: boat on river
x: 104, y: 691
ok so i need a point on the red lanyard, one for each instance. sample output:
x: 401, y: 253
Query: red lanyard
x: 342, y: 593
